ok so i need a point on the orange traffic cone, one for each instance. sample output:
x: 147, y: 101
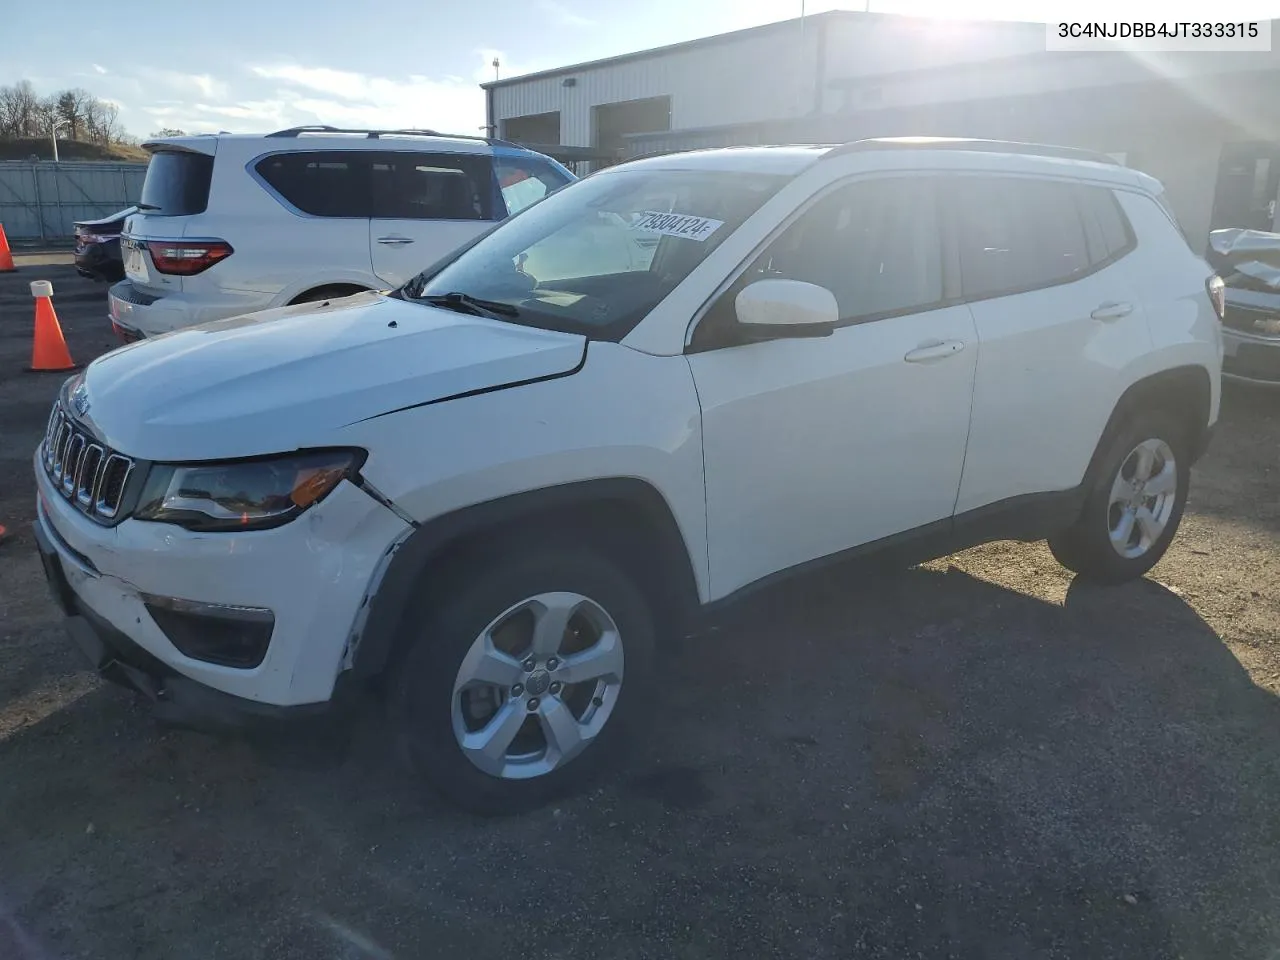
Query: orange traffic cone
x: 49, y: 350
x: 6, y: 256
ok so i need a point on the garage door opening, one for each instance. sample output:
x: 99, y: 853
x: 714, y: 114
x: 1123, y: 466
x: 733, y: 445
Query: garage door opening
x: 611, y: 122
x: 535, y: 128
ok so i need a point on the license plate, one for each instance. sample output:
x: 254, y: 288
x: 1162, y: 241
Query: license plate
x: 135, y: 264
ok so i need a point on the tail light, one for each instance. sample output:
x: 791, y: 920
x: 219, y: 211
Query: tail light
x: 1218, y: 295
x: 186, y: 258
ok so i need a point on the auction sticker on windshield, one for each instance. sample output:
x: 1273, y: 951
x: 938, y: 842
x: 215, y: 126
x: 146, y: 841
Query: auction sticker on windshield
x: 677, y: 225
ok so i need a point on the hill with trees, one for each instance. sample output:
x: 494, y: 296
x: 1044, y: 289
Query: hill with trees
x: 88, y: 128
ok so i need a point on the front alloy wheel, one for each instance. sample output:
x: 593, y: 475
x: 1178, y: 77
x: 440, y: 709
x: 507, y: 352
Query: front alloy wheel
x: 538, y: 685
x: 512, y: 690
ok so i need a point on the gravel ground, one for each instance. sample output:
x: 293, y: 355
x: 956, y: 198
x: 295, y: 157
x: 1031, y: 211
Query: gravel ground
x: 973, y: 758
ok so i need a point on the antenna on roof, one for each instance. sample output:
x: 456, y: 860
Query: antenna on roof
x: 496, y: 64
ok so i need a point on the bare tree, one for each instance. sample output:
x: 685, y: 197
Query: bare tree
x: 24, y: 114
x: 169, y: 132
x: 107, y: 129
x: 19, y: 110
x: 8, y: 113
x: 46, y: 116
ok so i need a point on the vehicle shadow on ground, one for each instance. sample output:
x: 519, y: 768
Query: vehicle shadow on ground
x: 1239, y: 479
x: 923, y: 763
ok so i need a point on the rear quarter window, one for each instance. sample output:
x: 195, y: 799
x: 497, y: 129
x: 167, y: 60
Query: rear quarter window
x: 1108, y: 230
x: 176, y: 184
x: 1162, y: 200
x: 321, y: 183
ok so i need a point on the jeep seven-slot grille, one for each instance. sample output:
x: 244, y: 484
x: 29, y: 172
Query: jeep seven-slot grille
x: 85, y: 472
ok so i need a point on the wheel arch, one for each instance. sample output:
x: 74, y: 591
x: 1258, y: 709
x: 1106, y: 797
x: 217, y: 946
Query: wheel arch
x: 1185, y: 391
x: 626, y: 516
x: 329, y: 290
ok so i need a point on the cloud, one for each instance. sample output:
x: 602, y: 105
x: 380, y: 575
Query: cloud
x: 563, y: 15
x: 174, y: 82
x: 97, y: 68
x: 245, y: 116
x: 342, y: 83
x: 346, y: 98
x: 276, y: 95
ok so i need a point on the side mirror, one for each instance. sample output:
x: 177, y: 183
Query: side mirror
x: 780, y: 309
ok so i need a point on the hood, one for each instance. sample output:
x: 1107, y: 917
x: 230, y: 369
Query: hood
x: 281, y: 379
x: 1246, y: 258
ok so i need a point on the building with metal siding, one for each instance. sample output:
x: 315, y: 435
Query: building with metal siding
x: 1206, y: 124
x: 770, y: 72
x: 716, y: 80
x: 763, y: 73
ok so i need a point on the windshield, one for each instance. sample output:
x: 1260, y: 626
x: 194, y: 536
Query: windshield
x: 597, y: 256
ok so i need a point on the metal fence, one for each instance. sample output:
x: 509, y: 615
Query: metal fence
x: 41, y: 200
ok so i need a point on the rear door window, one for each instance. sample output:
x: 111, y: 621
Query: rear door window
x: 432, y: 186
x: 1017, y: 234
x: 526, y: 180
x: 332, y: 183
x: 176, y: 184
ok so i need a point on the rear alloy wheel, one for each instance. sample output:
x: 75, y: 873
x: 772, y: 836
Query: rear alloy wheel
x: 1133, y: 510
x: 523, y: 676
x: 1143, y: 497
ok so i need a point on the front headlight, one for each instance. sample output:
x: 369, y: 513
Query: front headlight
x: 243, y: 494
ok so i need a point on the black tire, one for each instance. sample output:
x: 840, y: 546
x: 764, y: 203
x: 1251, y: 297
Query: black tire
x: 449, y: 618
x: 1085, y: 548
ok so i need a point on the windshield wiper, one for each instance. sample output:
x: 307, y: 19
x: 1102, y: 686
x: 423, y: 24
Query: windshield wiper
x: 465, y: 303
x: 146, y: 206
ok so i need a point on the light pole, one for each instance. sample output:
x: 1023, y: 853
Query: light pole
x: 54, y: 124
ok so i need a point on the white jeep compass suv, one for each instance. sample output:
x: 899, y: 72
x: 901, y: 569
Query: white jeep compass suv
x: 230, y: 224
x: 494, y: 488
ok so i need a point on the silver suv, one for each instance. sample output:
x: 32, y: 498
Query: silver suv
x: 230, y: 225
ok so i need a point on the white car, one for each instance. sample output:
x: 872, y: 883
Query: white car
x: 492, y: 491
x: 229, y: 225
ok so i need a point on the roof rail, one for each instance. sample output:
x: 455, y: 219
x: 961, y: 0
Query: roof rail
x: 977, y: 146
x: 375, y: 134
x: 325, y: 128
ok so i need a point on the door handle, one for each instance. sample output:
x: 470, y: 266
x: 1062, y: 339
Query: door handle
x: 395, y: 240
x: 1112, y: 311
x: 934, y: 350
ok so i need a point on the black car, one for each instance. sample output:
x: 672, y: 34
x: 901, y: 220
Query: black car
x: 98, y: 247
x: 1249, y: 263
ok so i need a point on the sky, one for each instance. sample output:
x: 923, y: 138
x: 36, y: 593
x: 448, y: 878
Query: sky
x: 245, y: 66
